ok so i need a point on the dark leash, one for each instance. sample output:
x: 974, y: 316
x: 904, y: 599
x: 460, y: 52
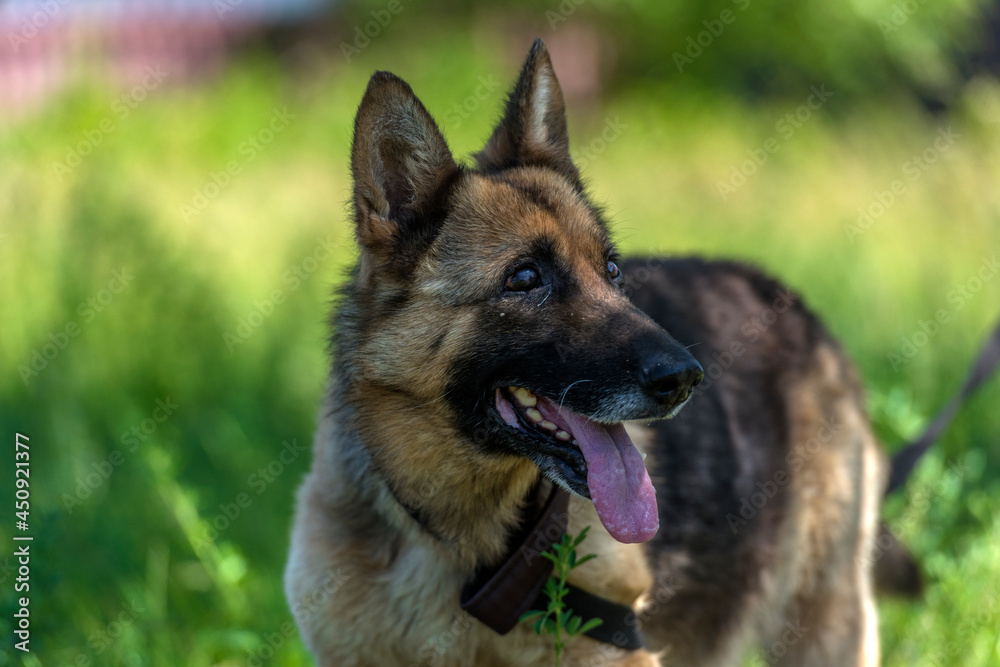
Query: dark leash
x: 905, y: 460
x: 498, y: 596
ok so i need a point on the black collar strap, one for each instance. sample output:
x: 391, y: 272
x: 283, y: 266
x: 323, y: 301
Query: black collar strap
x: 500, y: 595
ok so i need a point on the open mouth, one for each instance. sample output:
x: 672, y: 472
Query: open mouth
x: 613, y: 468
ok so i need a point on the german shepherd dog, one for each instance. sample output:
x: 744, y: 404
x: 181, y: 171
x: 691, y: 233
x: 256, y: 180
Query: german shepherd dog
x: 486, y: 348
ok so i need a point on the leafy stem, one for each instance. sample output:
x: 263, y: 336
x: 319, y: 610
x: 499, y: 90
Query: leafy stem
x: 557, y: 620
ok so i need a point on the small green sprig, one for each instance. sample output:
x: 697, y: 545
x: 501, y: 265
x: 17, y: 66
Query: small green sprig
x: 557, y: 620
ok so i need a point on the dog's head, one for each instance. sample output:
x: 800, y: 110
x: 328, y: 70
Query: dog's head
x: 493, y: 294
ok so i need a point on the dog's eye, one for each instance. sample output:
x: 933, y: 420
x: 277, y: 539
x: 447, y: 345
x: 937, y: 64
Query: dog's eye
x: 524, y: 279
x: 613, y: 270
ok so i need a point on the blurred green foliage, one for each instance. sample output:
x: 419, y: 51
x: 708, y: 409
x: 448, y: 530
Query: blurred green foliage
x: 756, y: 47
x: 174, y: 556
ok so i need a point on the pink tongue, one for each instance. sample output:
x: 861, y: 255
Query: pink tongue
x: 619, y: 484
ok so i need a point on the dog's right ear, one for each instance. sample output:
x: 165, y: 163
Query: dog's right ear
x: 533, y: 129
x: 399, y: 162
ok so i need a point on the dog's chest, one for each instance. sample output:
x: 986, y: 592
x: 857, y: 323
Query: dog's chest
x: 427, y: 626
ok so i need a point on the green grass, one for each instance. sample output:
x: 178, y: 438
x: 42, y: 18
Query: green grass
x: 138, y: 557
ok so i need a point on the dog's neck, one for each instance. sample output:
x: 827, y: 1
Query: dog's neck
x: 422, y: 477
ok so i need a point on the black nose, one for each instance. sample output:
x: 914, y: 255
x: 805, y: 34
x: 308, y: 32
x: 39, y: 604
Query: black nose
x: 670, y: 382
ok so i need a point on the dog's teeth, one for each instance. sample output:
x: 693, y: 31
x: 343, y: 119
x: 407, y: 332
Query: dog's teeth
x: 563, y: 435
x: 643, y: 456
x: 574, y: 442
x: 534, y: 415
x: 524, y: 397
x: 548, y: 426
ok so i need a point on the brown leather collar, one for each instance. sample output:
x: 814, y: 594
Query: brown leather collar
x: 498, y: 596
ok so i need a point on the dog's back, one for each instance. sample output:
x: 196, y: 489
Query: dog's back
x: 768, y: 482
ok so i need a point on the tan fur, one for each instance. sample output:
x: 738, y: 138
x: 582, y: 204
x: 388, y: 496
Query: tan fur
x: 835, y: 498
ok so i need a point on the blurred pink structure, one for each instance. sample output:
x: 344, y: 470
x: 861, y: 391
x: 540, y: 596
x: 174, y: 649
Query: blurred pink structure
x: 47, y: 44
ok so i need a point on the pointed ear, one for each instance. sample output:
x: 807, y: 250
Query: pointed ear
x: 533, y: 129
x: 399, y: 161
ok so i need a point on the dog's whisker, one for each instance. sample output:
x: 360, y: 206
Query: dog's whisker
x: 433, y: 400
x: 562, y: 396
x: 546, y: 296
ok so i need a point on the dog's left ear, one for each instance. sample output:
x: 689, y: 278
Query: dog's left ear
x: 533, y: 130
x: 400, y: 164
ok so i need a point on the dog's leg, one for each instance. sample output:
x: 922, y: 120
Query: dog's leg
x: 837, y: 631
x: 840, y: 631
x: 834, y: 623
x: 835, y: 499
x: 588, y: 653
